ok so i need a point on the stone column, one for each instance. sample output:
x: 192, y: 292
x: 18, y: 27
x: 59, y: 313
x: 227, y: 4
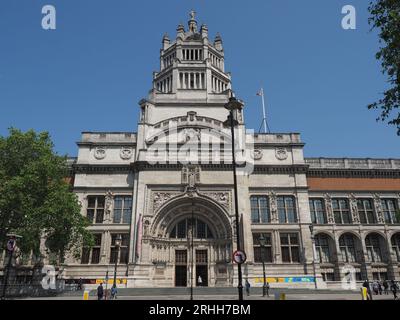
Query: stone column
x: 366, y: 264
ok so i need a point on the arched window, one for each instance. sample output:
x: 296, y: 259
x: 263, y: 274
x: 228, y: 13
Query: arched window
x: 396, y: 245
x: 201, y: 229
x: 348, y: 248
x: 374, y: 250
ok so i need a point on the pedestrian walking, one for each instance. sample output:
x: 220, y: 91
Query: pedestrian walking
x: 100, y: 292
x: 114, y: 292
x: 199, y: 281
x: 393, y: 287
x: 247, y: 285
x: 386, y: 287
x: 367, y: 286
x: 79, y: 284
x: 380, y: 287
x: 375, y: 287
x: 267, y: 287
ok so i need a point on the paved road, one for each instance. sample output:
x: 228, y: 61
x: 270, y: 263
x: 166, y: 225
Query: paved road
x: 221, y: 294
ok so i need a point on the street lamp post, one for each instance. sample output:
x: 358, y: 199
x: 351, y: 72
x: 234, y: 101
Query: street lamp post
x: 263, y: 244
x: 118, y: 242
x: 313, y: 251
x: 11, y: 244
x: 235, y: 105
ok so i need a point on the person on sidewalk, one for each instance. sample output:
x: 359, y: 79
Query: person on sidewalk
x: 114, y: 292
x: 386, y: 287
x: 267, y: 287
x: 368, y: 287
x: 393, y: 287
x: 247, y: 285
x: 100, y: 292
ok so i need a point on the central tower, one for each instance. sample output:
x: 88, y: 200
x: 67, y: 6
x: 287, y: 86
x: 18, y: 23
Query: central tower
x: 191, y: 87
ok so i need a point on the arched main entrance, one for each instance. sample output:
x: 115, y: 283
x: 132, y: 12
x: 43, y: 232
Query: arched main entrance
x: 198, y: 233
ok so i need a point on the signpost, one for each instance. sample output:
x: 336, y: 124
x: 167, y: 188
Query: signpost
x: 11, y: 243
x: 239, y: 257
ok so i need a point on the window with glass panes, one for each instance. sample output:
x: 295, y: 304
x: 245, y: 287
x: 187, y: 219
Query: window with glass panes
x: 396, y: 245
x: 341, y: 211
x: 260, y: 212
x: 317, y: 209
x: 262, y: 253
x: 286, y: 209
x: 122, y: 209
x: 95, y: 209
x: 389, y: 210
x: 322, y: 248
x: 201, y: 229
x: 347, y: 248
x: 373, y: 248
x: 92, y: 255
x: 121, y: 254
x: 366, y: 211
x: 290, y: 247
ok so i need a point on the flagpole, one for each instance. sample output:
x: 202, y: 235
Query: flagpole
x: 263, y: 105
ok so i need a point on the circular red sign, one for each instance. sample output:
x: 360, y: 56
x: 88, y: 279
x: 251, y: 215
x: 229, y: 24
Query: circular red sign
x: 11, y: 245
x: 239, y: 257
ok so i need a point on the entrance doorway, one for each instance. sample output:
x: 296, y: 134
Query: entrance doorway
x: 201, y: 268
x: 180, y: 268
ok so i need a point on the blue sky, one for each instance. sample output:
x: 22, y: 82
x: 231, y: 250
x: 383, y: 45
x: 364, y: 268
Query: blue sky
x: 89, y: 74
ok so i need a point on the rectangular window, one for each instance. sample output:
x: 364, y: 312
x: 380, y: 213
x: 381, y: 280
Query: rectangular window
x: 262, y: 253
x: 260, y: 212
x: 119, y: 254
x: 373, y: 248
x: 92, y: 255
x: 286, y: 209
x: 290, y: 247
x: 389, y: 210
x: 317, y: 208
x: 122, y: 209
x: 347, y: 248
x: 322, y: 248
x: 95, y: 209
x: 366, y: 211
x: 341, y: 211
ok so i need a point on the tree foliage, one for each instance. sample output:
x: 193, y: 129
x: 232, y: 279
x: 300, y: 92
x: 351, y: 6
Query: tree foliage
x: 36, y: 201
x: 385, y: 16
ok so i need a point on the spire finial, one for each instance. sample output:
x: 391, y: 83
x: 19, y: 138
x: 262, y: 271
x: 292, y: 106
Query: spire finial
x: 192, y: 22
x: 192, y: 14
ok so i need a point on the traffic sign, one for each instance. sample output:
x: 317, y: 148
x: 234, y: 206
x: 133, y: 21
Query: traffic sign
x: 239, y: 257
x: 11, y: 245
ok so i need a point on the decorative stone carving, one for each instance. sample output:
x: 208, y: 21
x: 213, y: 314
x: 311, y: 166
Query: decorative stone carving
x: 108, y: 205
x: 126, y: 153
x: 328, y: 208
x: 378, y: 208
x: 221, y: 197
x: 274, y: 206
x: 256, y: 154
x: 191, y: 175
x: 146, y: 227
x: 100, y: 153
x: 159, y: 198
x: 354, y: 208
x: 190, y: 134
x: 281, y: 153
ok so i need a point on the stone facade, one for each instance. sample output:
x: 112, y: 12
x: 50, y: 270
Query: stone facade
x: 168, y: 189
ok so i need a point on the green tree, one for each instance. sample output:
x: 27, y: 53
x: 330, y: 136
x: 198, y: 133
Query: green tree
x: 385, y: 17
x: 36, y: 200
